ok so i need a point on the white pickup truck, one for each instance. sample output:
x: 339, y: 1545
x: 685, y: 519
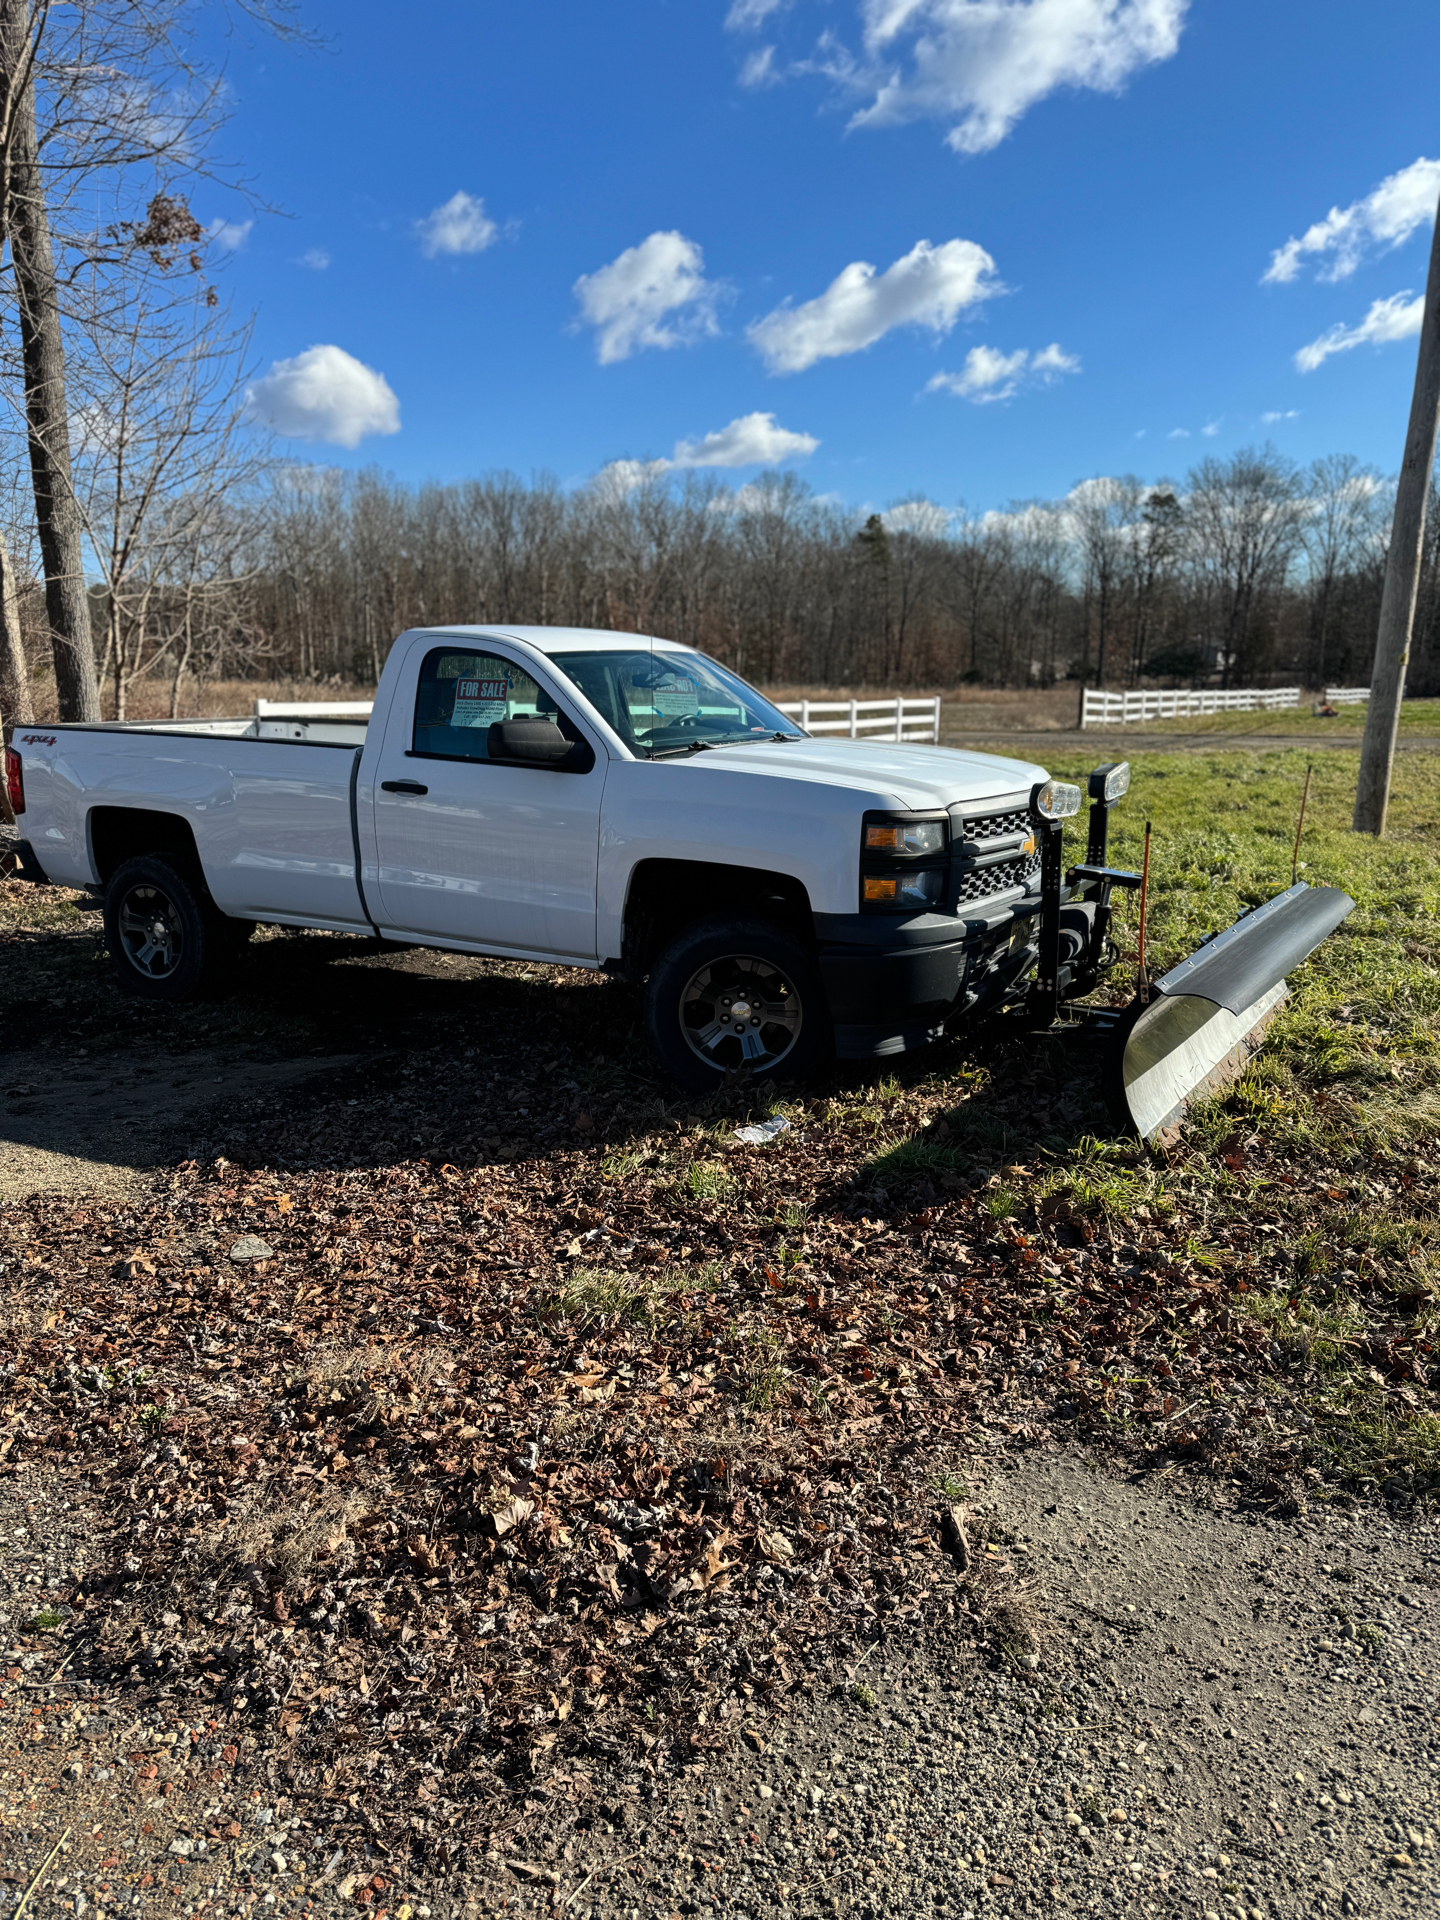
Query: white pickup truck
x: 587, y: 798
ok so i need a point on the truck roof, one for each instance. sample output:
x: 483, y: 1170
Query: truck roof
x: 551, y: 640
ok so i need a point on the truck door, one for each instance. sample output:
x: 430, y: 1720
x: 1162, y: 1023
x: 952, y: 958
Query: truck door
x: 471, y: 849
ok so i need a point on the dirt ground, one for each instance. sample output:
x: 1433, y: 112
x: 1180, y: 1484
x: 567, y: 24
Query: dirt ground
x: 99, y: 1126
x: 1137, y: 1687
x: 1228, y: 1713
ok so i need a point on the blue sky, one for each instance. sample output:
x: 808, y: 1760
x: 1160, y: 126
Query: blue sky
x: 565, y: 233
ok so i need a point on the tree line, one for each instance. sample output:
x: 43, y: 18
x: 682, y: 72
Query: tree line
x: 1249, y: 570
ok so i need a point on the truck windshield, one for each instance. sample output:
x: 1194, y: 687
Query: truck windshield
x: 672, y: 702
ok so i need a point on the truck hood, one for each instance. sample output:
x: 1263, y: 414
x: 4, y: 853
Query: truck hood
x: 914, y: 776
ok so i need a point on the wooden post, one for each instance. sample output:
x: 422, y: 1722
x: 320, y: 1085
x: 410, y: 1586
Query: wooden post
x: 1403, y: 572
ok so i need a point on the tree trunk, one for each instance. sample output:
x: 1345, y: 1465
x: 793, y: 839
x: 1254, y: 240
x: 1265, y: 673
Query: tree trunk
x: 15, y: 702
x: 57, y: 512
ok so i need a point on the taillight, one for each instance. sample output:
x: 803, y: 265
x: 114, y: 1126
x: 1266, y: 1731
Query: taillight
x: 14, y: 781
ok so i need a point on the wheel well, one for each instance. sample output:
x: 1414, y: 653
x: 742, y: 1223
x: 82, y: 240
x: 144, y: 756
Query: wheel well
x: 119, y: 833
x: 667, y: 895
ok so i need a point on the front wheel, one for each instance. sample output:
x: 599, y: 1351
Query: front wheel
x: 167, y: 939
x: 736, y: 997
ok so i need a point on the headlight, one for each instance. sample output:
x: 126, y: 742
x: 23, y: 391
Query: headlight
x: 905, y: 837
x: 915, y: 891
x: 903, y: 858
x: 1111, y: 782
x: 1056, y: 800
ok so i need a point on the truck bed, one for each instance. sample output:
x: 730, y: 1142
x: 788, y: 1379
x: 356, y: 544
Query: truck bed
x: 270, y: 802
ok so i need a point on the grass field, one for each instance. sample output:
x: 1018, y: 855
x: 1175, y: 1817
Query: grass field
x: 1420, y: 720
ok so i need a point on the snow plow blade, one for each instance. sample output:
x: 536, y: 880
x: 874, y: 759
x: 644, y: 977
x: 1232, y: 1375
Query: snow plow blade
x: 1204, y: 1020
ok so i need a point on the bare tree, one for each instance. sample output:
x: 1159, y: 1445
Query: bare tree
x: 25, y: 221
x: 100, y: 101
x: 1245, y: 517
x: 1343, y: 532
x: 15, y: 700
x: 162, y: 463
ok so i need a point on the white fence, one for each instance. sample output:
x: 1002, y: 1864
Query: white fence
x: 900, y: 719
x: 1347, y: 696
x: 1100, y: 709
x: 918, y: 720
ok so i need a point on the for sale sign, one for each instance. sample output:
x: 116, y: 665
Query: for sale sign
x: 479, y: 702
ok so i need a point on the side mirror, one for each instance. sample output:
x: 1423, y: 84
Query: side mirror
x: 530, y: 743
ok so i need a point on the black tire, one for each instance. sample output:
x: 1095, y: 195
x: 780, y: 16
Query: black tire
x: 168, y: 941
x: 695, y: 985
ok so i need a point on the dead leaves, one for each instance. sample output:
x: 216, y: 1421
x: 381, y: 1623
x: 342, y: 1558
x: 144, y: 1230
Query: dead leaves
x: 580, y: 1474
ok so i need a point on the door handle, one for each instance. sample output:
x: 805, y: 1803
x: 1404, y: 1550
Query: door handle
x: 402, y: 787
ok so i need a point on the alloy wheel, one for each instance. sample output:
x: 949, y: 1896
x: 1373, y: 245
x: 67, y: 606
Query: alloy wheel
x: 740, y: 1011
x: 151, y: 932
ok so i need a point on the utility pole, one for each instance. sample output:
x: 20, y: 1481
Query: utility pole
x: 1403, y: 572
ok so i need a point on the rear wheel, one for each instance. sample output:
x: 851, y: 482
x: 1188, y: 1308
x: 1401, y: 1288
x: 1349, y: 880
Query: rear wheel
x: 736, y: 997
x: 167, y: 938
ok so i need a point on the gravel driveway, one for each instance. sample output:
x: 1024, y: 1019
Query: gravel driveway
x: 1233, y: 1713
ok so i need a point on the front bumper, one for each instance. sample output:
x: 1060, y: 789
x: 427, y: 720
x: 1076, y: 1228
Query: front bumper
x: 892, y: 984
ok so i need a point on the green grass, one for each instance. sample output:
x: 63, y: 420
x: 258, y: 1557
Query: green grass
x: 1342, y: 1095
x: 1419, y: 719
x: 604, y: 1297
x: 1359, y: 1027
x: 1308, y: 1331
x: 708, y: 1181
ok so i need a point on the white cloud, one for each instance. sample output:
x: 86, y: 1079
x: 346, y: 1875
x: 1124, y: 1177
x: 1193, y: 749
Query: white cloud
x: 762, y: 497
x: 759, y: 69
x: 460, y: 225
x: 1179, y: 433
x: 621, y: 477
x: 1211, y: 429
x: 315, y: 258
x: 746, y: 15
x: 921, y: 517
x: 750, y: 440
x: 1396, y: 317
x: 1388, y: 215
x: 987, y: 375
x: 928, y: 287
x: 653, y: 295
x: 991, y: 375
x: 1290, y: 413
x: 989, y: 61
x: 324, y: 394
x: 229, y: 234
x: 1050, y: 362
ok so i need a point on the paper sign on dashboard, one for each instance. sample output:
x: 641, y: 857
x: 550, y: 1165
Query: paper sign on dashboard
x: 479, y: 702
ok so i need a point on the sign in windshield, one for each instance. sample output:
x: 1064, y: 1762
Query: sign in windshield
x: 672, y: 702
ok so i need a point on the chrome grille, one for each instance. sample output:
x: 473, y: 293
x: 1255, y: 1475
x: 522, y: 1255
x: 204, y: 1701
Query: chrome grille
x: 987, y: 826
x: 980, y: 883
